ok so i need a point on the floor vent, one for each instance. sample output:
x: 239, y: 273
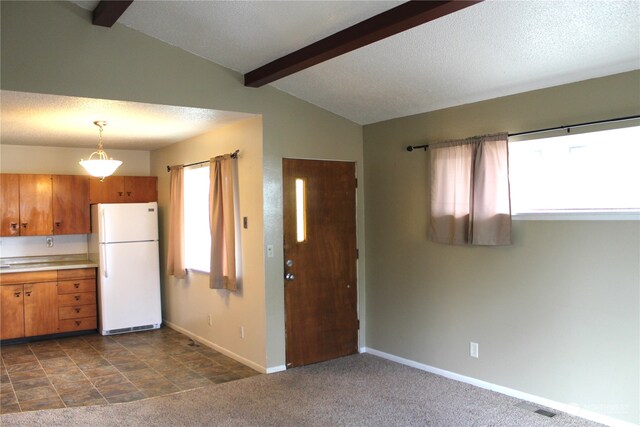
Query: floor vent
x: 130, y: 329
x: 545, y: 413
x: 534, y: 408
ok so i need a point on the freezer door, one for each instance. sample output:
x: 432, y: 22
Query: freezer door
x: 129, y: 285
x: 128, y: 222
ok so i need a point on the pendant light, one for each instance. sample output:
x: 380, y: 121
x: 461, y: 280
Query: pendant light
x: 100, y: 166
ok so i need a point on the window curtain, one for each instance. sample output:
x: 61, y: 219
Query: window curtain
x: 470, y: 202
x: 223, y: 223
x: 175, y: 256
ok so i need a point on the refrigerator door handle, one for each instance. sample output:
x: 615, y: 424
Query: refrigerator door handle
x: 105, y: 264
x: 103, y: 230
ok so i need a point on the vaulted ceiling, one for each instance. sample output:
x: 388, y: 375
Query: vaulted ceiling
x: 490, y: 49
x: 487, y: 50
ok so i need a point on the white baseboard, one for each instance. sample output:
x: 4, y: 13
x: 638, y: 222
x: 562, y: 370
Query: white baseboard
x: 564, y: 407
x: 275, y: 369
x: 223, y: 350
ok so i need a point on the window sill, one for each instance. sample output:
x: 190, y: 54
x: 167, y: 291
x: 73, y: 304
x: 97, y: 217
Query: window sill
x: 577, y: 215
x: 193, y: 270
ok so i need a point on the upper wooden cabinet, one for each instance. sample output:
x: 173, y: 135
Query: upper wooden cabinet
x: 9, y: 205
x: 71, y: 204
x: 140, y: 189
x: 110, y: 190
x: 41, y: 205
x: 123, y: 189
x: 36, y: 211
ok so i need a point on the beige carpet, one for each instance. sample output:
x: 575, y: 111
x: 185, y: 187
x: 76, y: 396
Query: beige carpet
x: 360, y: 390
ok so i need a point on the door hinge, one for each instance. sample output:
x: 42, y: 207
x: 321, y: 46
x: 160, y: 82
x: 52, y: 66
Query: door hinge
x: 357, y: 253
x: 356, y: 182
x: 358, y: 324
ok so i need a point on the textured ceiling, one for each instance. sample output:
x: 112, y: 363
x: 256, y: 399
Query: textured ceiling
x: 492, y: 49
x: 65, y: 121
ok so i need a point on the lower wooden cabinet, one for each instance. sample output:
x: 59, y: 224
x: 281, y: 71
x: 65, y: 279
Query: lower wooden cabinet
x: 40, y: 309
x: 77, y: 300
x: 11, y: 311
x: 47, y: 302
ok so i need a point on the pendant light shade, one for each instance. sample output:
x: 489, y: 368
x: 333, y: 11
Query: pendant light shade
x: 99, y: 164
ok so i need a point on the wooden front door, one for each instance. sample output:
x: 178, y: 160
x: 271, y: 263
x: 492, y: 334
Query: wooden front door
x: 320, y: 254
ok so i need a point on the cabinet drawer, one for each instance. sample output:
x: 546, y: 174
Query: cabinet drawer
x: 83, y: 298
x: 28, y: 277
x: 75, y: 286
x: 83, y: 324
x: 77, y: 273
x: 77, y: 311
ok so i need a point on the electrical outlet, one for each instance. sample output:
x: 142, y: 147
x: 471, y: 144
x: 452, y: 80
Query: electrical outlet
x: 473, y: 349
x: 49, y: 241
x: 242, y: 332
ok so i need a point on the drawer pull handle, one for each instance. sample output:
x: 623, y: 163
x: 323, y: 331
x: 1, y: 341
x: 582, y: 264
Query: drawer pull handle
x: 17, y: 294
x: 58, y: 224
x: 76, y: 285
x: 77, y: 297
x: 28, y: 293
x: 24, y: 225
x: 14, y: 225
x: 78, y: 322
x: 77, y: 310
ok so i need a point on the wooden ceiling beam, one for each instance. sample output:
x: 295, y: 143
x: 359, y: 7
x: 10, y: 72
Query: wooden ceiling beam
x: 383, y: 25
x: 107, y: 12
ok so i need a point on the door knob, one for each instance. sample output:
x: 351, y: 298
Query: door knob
x: 289, y: 276
x: 289, y: 263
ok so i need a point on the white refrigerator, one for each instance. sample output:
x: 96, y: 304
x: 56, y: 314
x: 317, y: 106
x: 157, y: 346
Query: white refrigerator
x: 124, y: 243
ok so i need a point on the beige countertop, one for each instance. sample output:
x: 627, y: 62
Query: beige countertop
x: 43, y: 263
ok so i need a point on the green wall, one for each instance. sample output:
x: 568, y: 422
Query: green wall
x: 556, y: 315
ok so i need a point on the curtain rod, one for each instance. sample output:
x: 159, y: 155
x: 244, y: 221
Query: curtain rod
x: 568, y: 128
x: 233, y: 155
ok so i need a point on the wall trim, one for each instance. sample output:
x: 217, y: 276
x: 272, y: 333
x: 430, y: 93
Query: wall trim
x: 564, y: 407
x: 216, y: 347
x: 275, y: 369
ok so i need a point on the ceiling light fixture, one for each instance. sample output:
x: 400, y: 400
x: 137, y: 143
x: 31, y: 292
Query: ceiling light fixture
x: 101, y: 166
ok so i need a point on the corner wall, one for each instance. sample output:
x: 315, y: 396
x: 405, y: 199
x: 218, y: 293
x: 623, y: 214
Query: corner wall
x: 556, y: 315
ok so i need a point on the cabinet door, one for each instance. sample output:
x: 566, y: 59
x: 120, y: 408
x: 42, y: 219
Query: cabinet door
x: 40, y: 309
x: 140, y: 189
x: 70, y: 204
x: 9, y: 205
x: 11, y: 312
x: 111, y: 190
x: 36, y: 213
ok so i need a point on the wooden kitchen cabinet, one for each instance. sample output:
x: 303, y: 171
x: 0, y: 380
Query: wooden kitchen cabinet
x: 29, y: 304
x: 9, y: 205
x: 36, y: 210
x: 11, y: 311
x: 77, y: 309
x: 71, y: 204
x: 40, y: 309
x: 110, y: 190
x: 47, y: 302
x: 140, y: 189
x: 123, y: 189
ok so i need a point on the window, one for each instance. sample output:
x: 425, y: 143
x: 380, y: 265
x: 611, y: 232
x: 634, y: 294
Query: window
x: 197, y: 237
x: 595, y: 172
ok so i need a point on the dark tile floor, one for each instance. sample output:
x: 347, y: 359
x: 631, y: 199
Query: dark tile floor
x: 97, y: 370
